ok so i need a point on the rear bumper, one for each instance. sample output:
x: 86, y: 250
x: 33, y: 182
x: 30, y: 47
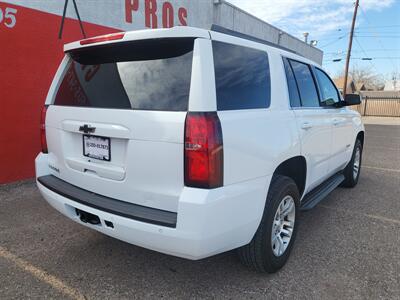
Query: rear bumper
x: 113, y: 206
x: 208, y: 222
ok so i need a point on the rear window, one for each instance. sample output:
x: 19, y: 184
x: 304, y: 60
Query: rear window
x: 292, y: 85
x: 242, y: 77
x: 305, y: 83
x: 140, y: 75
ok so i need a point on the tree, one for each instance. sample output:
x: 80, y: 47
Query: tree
x: 366, y: 76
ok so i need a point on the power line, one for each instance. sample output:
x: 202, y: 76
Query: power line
x: 363, y: 58
x: 333, y: 36
x: 367, y: 50
x: 363, y: 51
x: 382, y: 32
x: 361, y: 34
x: 379, y: 40
x: 330, y: 38
x: 380, y: 26
x: 381, y: 36
x: 383, y: 57
x: 333, y: 42
x: 328, y: 63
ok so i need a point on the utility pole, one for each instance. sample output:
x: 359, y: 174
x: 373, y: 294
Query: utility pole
x: 346, y: 71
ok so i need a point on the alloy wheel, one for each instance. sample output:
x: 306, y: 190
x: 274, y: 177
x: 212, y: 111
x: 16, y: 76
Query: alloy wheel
x: 283, y: 225
x: 356, y: 163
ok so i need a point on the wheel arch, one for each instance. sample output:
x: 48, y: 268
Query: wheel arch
x: 296, y: 169
x: 360, y: 136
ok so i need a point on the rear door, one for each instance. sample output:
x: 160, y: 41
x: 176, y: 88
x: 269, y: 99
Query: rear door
x: 341, y: 121
x: 314, y: 125
x: 116, y: 124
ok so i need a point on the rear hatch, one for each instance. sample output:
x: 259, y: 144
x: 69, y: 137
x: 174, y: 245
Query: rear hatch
x: 116, y: 123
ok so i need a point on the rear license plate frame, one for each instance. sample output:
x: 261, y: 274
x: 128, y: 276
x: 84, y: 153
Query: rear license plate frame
x: 87, y: 153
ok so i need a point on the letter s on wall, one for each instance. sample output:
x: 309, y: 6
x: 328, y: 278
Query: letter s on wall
x: 182, y: 15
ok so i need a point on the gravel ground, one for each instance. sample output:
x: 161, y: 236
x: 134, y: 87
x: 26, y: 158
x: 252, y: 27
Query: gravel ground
x: 348, y: 247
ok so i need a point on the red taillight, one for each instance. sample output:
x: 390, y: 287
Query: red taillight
x: 43, y: 140
x: 203, y: 150
x: 103, y: 38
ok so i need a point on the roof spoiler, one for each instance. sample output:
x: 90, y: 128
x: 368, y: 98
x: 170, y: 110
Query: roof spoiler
x: 220, y: 29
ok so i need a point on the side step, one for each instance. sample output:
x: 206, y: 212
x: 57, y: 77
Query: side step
x: 320, y: 192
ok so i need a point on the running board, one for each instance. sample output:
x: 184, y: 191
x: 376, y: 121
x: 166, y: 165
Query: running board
x: 320, y: 192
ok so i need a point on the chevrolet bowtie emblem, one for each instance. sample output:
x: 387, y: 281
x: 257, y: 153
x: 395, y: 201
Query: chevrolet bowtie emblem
x: 87, y: 129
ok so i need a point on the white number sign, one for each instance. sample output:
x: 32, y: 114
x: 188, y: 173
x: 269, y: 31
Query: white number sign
x: 8, y: 17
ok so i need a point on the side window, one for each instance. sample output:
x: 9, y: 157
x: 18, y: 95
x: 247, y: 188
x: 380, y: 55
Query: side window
x: 329, y: 93
x: 294, y: 96
x: 242, y: 77
x: 305, y: 83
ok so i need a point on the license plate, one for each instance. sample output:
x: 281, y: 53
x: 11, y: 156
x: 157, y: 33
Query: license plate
x: 97, y: 147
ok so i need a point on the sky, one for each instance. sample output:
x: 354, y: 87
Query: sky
x: 377, y: 33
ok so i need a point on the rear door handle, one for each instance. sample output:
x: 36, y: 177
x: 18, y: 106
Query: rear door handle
x: 306, y: 125
x: 336, y: 122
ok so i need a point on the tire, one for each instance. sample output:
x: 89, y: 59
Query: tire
x: 259, y: 253
x: 351, y: 178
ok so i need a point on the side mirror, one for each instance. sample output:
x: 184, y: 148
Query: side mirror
x: 352, y: 99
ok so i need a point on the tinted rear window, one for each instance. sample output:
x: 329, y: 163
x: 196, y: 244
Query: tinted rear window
x: 306, y: 84
x: 292, y: 85
x: 242, y: 77
x: 142, y: 75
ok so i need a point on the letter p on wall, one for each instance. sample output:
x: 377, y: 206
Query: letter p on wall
x: 155, y: 13
x: 130, y: 7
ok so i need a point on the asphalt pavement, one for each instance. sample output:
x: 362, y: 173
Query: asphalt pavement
x: 348, y: 247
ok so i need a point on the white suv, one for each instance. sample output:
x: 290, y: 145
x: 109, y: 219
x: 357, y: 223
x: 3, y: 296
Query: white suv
x: 193, y: 142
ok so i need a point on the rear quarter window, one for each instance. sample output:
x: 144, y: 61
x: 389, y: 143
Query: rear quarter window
x: 294, y: 96
x: 305, y: 82
x: 242, y: 77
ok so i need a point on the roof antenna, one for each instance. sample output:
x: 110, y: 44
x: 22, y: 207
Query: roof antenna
x: 63, y: 19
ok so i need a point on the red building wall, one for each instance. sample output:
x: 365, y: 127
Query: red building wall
x: 29, y: 57
x: 30, y: 53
